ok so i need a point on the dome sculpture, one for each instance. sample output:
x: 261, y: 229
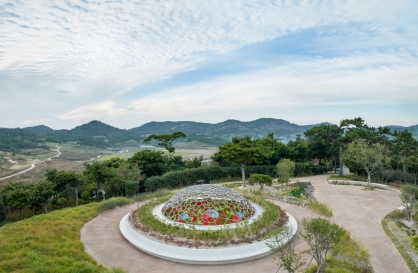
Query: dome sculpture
x: 208, y: 205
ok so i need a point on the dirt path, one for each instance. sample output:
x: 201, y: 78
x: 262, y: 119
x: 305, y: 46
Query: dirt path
x: 34, y: 164
x: 358, y: 211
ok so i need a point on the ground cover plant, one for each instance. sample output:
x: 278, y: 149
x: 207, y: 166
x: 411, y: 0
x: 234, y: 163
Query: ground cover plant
x: 402, y: 237
x: 48, y: 243
x: 271, y: 221
x: 320, y: 208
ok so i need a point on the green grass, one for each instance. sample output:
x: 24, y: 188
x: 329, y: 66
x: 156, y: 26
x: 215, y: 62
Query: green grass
x: 48, y: 243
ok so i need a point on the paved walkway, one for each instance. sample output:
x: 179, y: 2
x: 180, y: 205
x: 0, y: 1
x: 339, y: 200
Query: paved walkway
x: 358, y: 211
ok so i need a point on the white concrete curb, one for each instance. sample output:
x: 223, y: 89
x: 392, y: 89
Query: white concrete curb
x: 186, y: 255
x: 361, y: 183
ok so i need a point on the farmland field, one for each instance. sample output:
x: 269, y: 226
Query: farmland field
x: 72, y: 158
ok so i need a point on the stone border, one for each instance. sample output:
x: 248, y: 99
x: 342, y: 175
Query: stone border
x: 227, y: 255
x: 361, y: 183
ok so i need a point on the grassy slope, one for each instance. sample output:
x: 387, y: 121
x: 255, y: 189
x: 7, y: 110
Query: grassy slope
x: 48, y: 243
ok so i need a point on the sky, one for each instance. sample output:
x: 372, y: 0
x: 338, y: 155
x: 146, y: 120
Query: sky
x: 126, y: 63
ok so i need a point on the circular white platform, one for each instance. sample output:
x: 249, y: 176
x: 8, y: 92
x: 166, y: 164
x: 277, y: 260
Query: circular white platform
x: 186, y: 255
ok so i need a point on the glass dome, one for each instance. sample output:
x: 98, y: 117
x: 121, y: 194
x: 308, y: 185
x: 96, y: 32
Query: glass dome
x: 208, y: 205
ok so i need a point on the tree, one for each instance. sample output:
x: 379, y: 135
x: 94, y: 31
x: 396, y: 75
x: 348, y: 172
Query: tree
x: 405, y: 146
x: 321, y: 236
x: 285, y: 170
x: 63, y: 179
x: 2, y: 210
x: 285, y: 252
x: 195, y: 162
x: 330, y: 136
x: 100, y: 174
x: 413, y: 166
x: 298, y: 149
x: 371, y: 157
x: 409, y: 194
x: 151, y: 163
x: 166, y: 140
x: 17, y: 196
x: 242, y: 151
x: 261, y: 179
x: 40, y: 193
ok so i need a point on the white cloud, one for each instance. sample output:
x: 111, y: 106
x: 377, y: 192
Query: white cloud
x: 361, y: 80
x: 93, y: 51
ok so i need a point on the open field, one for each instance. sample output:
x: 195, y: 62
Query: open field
x: 71, y: 159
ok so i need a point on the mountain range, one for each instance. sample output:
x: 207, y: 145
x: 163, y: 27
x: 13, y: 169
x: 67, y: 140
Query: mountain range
x: 99, y: 134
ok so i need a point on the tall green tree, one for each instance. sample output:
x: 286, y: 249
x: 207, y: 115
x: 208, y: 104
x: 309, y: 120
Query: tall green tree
x: 166, y: 141
x: 99, y: 173
x: 371, y: 157
x: 40, y: 194
x: 151, y: 163
x: 404, y: 146
x: 242, y: 151
x: 17, y: 196
x: 2, y: 210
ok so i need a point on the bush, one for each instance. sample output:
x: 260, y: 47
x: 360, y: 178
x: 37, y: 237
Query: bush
x: 85, y: 195
x: 145, y: 196
x: 321, y: 208
x: 415, y: 242
x: 131, y: 188
x: 302, y: 169
x: 112, y: 203
x: 296, y: 192
x: 61, y: 202
x: 189, y: 177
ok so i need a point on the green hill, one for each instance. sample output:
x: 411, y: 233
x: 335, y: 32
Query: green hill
x: 94, y: 133
x: 12, y: 140
x: 225, y: 130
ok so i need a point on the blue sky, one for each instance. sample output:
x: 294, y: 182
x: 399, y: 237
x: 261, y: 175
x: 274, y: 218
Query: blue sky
x: 126, y: 63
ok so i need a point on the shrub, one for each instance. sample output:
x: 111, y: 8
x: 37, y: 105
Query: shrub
x: 189, y: 177
x: 61, y: 202
x: 321, y: 208
x: 112, y: 203
x: 415, y: 242
x: 261, y: 179
x: 296, y: 192
x: 131, y: 188
x: 85, y: 195
x: 156, y: 194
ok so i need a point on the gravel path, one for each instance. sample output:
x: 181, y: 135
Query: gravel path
x: 358, y: 211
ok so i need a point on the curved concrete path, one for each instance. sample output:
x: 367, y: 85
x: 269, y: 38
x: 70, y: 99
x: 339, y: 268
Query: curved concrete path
x: 358, y: 211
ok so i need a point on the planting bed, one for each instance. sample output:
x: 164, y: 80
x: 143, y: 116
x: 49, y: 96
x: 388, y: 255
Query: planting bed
x: 205, y: 224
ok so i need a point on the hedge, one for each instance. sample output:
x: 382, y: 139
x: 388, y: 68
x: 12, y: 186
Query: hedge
x: 191, y: 176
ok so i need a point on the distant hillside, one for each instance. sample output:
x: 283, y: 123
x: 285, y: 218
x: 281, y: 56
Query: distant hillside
x: 200, y: 134
x: 412, y: 129
x: 12, y: 140
x: 94, y: 133
x: 224, y: 131
x: 40, y: 129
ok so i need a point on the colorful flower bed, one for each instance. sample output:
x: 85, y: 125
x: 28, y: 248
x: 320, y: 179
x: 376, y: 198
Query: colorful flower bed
x: 208, y: 212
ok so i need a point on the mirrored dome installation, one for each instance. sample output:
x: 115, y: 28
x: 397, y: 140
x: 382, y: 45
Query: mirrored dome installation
x: 208, y: 205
